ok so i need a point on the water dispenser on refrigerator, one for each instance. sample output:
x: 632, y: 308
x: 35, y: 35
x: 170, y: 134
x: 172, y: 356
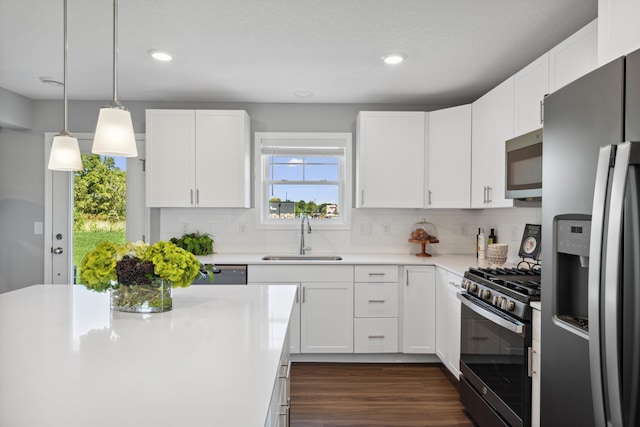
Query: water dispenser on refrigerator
x: 571, y: 272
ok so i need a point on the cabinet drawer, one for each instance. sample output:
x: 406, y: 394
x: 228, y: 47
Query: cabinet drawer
x: 376, y: 273
x: 454, y: 279
x: 376, y: 300
x: 375, y: 335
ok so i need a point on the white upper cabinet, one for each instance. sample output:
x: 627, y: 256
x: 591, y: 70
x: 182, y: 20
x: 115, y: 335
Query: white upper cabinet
x: 531, y: 85
x: 449, y: 158
x: 492, y: 125
x: 390, y: 159
x: 618, y: 29
x: 223, y: 158
x: 574, y: 57
x: 171, y: 155
x: 198, y: 158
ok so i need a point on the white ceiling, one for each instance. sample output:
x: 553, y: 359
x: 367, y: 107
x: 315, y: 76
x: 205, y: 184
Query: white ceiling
x: 265, y: 50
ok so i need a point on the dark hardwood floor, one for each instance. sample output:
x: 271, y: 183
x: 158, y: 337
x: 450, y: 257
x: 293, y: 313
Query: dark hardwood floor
x: 374, y: 395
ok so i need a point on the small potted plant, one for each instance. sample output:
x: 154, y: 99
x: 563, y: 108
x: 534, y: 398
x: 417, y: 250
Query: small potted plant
x: 197, y: 243
x: 141, y: 277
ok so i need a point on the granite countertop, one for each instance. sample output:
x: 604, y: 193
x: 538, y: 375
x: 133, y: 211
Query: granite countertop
x: 66, y: 359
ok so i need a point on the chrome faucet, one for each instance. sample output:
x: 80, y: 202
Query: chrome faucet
x: 303, y: 248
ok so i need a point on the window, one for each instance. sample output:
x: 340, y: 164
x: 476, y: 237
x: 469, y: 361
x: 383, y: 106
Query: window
x: 303, y: 174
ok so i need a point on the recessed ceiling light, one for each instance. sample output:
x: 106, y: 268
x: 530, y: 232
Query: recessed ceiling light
x: 394, y: 58
x: 303, y: 93
x: 160, y: 55
x: 50, y: 81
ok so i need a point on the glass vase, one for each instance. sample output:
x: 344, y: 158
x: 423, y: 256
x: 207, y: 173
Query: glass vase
x: 153, y: 297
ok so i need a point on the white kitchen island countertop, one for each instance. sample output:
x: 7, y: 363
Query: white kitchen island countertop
x: 67, y: 360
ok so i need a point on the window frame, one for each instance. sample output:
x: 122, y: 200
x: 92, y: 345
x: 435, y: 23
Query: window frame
x: 302, y: 141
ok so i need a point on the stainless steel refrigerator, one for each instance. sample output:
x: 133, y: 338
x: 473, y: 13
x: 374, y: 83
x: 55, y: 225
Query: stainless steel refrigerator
x: 590, y: 342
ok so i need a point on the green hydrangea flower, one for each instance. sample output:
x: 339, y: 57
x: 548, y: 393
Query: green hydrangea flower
x: 98, y: 267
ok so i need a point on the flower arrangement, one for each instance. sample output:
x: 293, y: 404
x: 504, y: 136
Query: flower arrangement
x: 140, y: 276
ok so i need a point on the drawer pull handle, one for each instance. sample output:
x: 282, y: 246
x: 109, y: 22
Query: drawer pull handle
x: 376, y: 300
x: 479, y: 338
x: 376, y: 336
x: 377, y: 274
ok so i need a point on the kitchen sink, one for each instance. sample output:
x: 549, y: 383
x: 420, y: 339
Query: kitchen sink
x: 301, y: 258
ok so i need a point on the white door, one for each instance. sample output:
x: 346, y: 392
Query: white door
x: 58, y: 226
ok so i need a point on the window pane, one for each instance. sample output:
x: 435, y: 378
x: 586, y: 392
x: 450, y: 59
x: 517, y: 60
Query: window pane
x: 286, y: 172
x: 318, y: 201
x: 321, y: 172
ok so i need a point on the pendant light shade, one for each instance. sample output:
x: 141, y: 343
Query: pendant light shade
x: 114, y: 134
x: 65, y: 153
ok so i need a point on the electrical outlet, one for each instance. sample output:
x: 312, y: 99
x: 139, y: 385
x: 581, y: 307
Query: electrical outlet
x: 241, y: 228
x: 514, y: 234
x: 386, y: 228
x: 463, y: 230
x: 37, y: 228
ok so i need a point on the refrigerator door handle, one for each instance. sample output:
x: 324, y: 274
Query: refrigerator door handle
x: 612, y: 285
x: 595, y: 279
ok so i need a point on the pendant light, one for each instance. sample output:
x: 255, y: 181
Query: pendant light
x: 114, y: 132
x: 65, y: 153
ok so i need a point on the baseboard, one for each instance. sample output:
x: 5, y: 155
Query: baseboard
x: 365, y: 358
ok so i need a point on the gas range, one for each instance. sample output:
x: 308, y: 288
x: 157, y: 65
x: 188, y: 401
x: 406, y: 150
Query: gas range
x: 508, y: 289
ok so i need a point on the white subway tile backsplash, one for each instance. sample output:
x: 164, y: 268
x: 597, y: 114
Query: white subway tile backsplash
x: 373, y: 230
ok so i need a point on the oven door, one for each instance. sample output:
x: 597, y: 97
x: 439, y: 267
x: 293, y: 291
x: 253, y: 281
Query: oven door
x: 494, y: 363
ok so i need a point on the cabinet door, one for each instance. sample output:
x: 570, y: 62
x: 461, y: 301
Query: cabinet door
x: 419, y: 310
x: 574, y: 57
x: 170, y: 162
x: 442, y: 316
x: 535, y: 374
x: 453, y: 326
x: 492, y: 125
x: 222, y: 159
x: 327, y: 318
x: 390, y: 159
x: 531, y: 85
x: 618, y: 29
x: 449, y: 158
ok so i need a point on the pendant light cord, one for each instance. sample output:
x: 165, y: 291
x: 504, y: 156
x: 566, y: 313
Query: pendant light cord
x: 64, y: 86
x: 115, y: 54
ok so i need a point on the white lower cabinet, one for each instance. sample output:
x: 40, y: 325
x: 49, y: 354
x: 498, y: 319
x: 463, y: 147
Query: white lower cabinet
x: 326, y: 318
x: 419, y: 310
x: 375, y: 327
x: 448, y: 320
x: 453, y: 324
x: 322, y: 318
x: 535, y: 370
x: 280, y: 405
x: 375, y: 335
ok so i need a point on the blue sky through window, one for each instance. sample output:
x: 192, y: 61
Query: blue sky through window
x: 304, y: 168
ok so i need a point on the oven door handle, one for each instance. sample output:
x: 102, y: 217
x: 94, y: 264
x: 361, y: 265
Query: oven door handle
x: 517, y: 328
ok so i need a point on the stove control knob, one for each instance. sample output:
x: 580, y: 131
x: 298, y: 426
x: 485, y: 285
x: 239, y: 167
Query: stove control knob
x: 503, y: 303
x: 465, y: 285
x: 497, y: 301
x: 473, y: 287
x: 510, y: 306
x: 485, y: 294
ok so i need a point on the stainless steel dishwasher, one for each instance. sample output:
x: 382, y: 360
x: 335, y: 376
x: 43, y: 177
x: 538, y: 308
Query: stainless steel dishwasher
x: 226, y: 274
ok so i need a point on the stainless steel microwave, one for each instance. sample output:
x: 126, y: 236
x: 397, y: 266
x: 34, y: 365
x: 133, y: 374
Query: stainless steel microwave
x: 523, y: 161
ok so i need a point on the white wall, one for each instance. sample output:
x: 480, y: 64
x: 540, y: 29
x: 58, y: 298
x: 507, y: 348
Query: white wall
x: 22, y: 162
